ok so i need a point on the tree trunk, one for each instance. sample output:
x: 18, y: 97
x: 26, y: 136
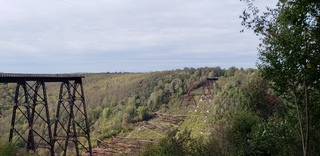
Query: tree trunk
x: 300, y: 123
x: 306, y: 143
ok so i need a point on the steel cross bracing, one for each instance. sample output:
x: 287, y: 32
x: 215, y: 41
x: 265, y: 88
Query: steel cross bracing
x: 31, y: 108
x: 71, y: 124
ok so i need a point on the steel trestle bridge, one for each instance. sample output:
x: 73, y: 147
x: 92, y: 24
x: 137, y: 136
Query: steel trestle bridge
x: 68, y: 130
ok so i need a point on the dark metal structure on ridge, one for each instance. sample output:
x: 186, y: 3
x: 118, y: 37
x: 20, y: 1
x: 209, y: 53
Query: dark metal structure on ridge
x: 188, y: 96
x: 207, y: 87
x: 70, y: 125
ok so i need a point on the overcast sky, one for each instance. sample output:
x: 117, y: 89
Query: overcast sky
x: 63, y: 36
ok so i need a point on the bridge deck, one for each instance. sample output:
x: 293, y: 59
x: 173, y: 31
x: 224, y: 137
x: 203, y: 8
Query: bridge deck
x: 14, y: 77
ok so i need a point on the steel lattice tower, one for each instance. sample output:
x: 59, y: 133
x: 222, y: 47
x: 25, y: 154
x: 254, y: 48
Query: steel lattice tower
x: 31, y: 108
x: 71, y: 120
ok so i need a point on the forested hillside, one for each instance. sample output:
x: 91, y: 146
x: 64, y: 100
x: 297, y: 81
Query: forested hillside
x: 240, y: 115
x: 119, y: 103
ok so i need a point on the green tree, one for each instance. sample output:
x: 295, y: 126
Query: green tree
x: 142, y: 113
x: 289, y: 56
x: 173, y: 144
x: 180, y: 143
x: 8, y: 149
x: 239, y: 135
x: 273, y: 137
x: 258, y: 98
x: 231, y: 71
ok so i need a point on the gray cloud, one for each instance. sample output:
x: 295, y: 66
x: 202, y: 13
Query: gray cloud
x: 141, y: 35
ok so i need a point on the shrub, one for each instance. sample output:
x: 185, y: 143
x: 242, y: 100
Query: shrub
x: 8, y: 149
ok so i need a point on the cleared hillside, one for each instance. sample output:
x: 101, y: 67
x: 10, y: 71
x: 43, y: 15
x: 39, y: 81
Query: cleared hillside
x: 146, y: 106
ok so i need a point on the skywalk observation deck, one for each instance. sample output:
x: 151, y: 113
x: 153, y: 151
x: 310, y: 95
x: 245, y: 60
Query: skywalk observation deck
x: 15, y: 77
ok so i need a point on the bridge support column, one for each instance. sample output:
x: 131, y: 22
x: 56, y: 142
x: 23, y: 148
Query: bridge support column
x: 71, y: 127
x: 30, y: 124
